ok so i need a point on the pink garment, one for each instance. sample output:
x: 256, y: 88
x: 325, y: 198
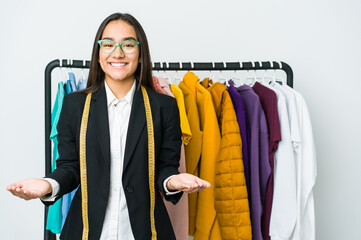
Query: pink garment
x: 165, y: 86
x: 178, y: 213
x: 157, y: 87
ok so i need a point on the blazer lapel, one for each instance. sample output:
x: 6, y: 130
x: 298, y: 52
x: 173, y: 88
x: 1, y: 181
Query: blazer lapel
x: 99, y: 114
x: 137, y: 122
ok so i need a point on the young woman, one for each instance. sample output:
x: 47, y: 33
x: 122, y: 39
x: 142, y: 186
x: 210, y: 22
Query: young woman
x: 117, y: 144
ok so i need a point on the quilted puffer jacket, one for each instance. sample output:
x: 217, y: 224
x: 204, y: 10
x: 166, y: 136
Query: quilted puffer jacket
x: 201, y: 154
x: 231, y: 199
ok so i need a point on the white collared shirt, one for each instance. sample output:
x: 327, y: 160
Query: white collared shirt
x: 306, y: 173
x: 283, y: 214
x: 116, y: 224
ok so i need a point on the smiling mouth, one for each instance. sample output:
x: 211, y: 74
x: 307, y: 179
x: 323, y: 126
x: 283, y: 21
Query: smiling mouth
x: 118, y: 65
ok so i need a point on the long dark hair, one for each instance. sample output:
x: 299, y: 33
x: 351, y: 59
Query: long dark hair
x: 143, y: 74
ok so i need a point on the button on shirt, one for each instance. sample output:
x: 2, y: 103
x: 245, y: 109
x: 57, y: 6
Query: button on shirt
x: 116, y: 224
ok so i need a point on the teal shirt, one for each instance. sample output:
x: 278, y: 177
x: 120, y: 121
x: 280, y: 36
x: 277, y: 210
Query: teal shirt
x: 54, y: 221
x: 67, y: 198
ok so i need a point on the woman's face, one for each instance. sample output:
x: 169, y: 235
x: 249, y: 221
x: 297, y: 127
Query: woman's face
x: 117, y: 65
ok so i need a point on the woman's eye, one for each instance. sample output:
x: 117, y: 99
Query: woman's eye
x: 107, y: 44
x: 129, y: 45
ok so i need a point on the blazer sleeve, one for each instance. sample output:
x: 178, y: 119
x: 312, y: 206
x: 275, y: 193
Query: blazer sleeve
x: 67, y: 172
x: 169, y: 154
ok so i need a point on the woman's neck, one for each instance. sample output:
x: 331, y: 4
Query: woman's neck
x: 120, y: 88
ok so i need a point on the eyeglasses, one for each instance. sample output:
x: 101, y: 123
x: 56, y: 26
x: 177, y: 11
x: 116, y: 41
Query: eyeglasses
x: 109, y: 46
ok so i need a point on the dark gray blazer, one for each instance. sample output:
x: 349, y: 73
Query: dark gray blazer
x: 135, y: 170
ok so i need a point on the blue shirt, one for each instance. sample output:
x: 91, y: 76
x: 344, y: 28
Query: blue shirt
x: 54, y: 220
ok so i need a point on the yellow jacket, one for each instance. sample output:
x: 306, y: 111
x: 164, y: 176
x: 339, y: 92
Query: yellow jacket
x: 201, y: 154
x: 231, y: 200
x: 186, y: 130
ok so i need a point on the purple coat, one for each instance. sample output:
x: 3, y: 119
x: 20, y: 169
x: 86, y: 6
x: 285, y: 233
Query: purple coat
x: 260, y: 168
x: 241, y: 119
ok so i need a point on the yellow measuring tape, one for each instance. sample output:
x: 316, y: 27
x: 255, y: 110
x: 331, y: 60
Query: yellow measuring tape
x: 151, y: 164
x: 83, y: 182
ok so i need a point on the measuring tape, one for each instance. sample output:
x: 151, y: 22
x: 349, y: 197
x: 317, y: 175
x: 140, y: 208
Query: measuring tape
x: 83, y: 182
x: 151, y: 164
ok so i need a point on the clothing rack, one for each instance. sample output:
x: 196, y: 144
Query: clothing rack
x: 157, y: 66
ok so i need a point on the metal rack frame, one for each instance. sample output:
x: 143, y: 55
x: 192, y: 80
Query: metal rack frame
x: 161, y: 66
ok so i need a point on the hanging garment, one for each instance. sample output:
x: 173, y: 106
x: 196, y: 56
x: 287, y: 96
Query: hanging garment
x: 283, y: 215
x: 260, y: 168
x: 186, y: 129
x: 178, y: 214
x: 54, y: 220
x: 292, y: 118
x: 67, y: 198
x: 231, y: 200
x: 192, y: 149
x: 82, y: 84
x: 241, y: 119
x: 157, y: 87
x: 72, y: 82
x: 67, y: 87
x: 206, y: 223
x: 306, y: 173
x: 163, y: 83
x: 268, y: 100
x: 294, y: 131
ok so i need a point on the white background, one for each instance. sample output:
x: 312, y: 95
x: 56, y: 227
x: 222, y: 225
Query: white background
x: 320, y: 40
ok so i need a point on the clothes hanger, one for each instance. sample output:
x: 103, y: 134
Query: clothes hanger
x: 164, y: 73
x: 255, y: 73
x: 250, y: 79
x: 67, y: 68
x: 240, y: 80
x: 82, y: 73
x: 178, y: 79
x: 236, y: 79
x: 61, y: 70
x: 259, y: 79
x: 280, y: 80
x: 70, y: 69
x: 268, y: 78
x: 210, y: 72
x: 273, y: 81
x: 221, y: 78
x: 156, y: 72
x: 263, y: 74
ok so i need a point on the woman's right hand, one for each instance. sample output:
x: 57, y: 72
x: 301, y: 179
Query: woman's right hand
x: 30, y: 188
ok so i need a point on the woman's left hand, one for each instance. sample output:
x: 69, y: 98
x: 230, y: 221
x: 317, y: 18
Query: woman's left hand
x: 187, y: 183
